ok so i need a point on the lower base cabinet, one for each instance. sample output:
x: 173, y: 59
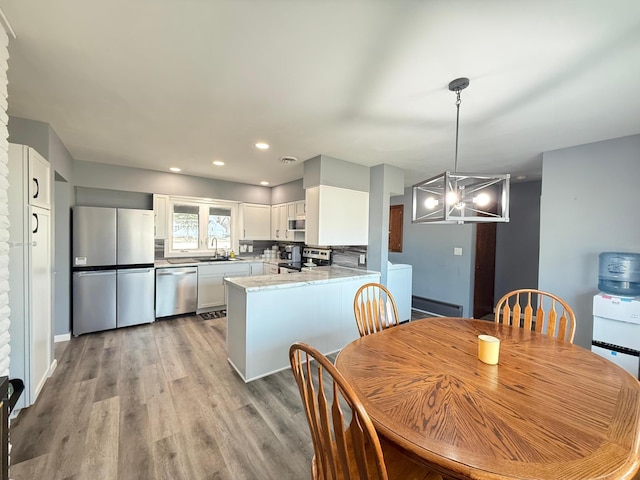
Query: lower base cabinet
x: 211, y: 287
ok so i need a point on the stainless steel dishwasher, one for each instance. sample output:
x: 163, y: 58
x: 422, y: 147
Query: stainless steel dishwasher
x: 176, y: 291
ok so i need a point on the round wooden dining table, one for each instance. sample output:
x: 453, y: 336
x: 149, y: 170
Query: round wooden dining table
x: 548, y: 409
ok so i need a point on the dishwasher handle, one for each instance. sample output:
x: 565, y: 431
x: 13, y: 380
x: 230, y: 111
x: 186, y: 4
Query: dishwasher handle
x: 177, y: 271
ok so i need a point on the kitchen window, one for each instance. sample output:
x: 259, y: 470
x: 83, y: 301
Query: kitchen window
x: 200, y: 227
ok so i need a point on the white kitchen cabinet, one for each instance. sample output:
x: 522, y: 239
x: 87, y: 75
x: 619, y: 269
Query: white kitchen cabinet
x: 296, y: 209
x: 270, y: 268
x: 161, y: 216
x: 30, y: 272
x: 39, y: 179
x: 336, y: 216
x: 211, y: 288
x: 279, y: 222
x: 255, y: 221
x: 256, y: 268
x: 280, y: 215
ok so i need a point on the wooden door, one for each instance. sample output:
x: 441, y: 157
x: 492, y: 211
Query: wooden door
x: 396, y: 213
x: 483, y: 290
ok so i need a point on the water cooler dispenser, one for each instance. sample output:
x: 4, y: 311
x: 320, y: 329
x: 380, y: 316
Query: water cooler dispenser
x: 616, y: 311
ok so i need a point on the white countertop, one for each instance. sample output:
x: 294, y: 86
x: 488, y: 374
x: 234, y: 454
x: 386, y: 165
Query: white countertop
x: 316, y: 275
x: 165, y: 263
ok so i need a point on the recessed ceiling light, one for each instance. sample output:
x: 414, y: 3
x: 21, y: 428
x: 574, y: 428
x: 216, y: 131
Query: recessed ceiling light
x: 521, y: 177
x: 218, y: 163
x: 262, y: 146
x: 288, y: 159
x: 175, y: 169
x: 264, y: 183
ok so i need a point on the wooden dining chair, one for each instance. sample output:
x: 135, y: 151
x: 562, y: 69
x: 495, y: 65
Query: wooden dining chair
x: 536, y: 310
x: 345, y: 441
x: 374, y: 308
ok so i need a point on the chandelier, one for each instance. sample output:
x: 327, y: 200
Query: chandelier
x: 456, y: 198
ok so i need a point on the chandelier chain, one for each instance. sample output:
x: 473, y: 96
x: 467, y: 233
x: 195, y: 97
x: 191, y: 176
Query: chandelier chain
x: 458, y: 101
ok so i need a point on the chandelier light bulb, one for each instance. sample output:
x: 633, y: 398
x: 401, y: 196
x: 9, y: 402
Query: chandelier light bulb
x: 431, y: 203
x: 452, y: 198
x: 482, y: 199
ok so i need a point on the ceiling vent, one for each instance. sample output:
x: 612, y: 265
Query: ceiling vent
x: 288, y: 159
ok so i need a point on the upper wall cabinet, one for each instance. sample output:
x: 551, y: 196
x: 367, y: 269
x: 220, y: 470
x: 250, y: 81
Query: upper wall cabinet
x: 279, y: 222
x: 296, y: 209
x: 336, y: 216
x: 161, y: 211
x: 280, y: 215
x: 255, y: 221
x: 39, y: 178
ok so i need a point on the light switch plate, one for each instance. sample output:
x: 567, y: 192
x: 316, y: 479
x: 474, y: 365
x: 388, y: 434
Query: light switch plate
x: 362, y: 259
x: 457, y: 250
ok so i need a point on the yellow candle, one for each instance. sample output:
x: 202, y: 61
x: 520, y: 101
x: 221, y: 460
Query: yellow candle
x: 488, y: 349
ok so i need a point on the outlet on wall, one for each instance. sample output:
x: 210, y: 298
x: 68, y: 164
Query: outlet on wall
x: 362, y: 259
x: 457, y: 250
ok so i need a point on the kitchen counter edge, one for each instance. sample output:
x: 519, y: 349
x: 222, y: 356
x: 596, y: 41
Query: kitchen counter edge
x: 314, y: 276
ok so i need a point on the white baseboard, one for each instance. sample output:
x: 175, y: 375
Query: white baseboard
x: 65, y: 337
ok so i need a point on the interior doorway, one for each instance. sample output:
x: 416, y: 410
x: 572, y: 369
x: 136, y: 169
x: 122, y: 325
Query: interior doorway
x: 485, y: 269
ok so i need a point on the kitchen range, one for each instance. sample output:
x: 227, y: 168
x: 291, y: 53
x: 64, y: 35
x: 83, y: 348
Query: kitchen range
x: 113, y: 270
x: 311, y: 257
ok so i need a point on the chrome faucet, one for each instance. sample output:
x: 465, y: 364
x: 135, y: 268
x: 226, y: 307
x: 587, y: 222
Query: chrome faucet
x: 215, y: 252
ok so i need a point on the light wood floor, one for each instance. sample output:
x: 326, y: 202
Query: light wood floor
x: 160, y: 401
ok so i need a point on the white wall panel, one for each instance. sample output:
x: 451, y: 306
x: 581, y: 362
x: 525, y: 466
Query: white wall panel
x: 4, y: 211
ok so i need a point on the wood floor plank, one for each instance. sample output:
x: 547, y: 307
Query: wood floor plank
x: 170, y: 460
x: 91, y: 355
x: 109, y: 373
x: 170, y: 358
x: 202, y: 442
x: 135, y: 454
x: 159, y: 404
x: 101, y: 453
x: 68, y: 450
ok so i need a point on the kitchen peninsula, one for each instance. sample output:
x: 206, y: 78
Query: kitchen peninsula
x: 267, y: 313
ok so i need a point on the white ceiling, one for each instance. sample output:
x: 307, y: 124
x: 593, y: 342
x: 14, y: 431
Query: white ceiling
x: 160, y: 83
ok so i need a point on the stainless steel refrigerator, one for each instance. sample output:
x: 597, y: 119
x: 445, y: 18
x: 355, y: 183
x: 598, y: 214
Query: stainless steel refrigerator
x: 113, y: 274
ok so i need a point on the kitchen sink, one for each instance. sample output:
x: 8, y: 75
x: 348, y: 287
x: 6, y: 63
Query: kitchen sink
x: 201, y: 259
x: 217, y: 259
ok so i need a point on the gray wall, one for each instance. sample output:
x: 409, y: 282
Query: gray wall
x: 30, y: 132
x: 114, y: 177
x: 59, y: 156
x: 385, y: 181
x: 437, y: 273
x: 43, y: 138
x: 518, y: 242
x: 98, y: 197
x: 325, y: 170
x: 287, y: 192
x: 63, y: 199
x: 589, y: 205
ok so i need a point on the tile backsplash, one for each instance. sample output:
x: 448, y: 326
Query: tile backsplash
x: 342, y: 256
x: 349, y: 256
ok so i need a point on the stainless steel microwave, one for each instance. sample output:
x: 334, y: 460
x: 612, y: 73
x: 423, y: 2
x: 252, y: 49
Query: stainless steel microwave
x: 297, y: 223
